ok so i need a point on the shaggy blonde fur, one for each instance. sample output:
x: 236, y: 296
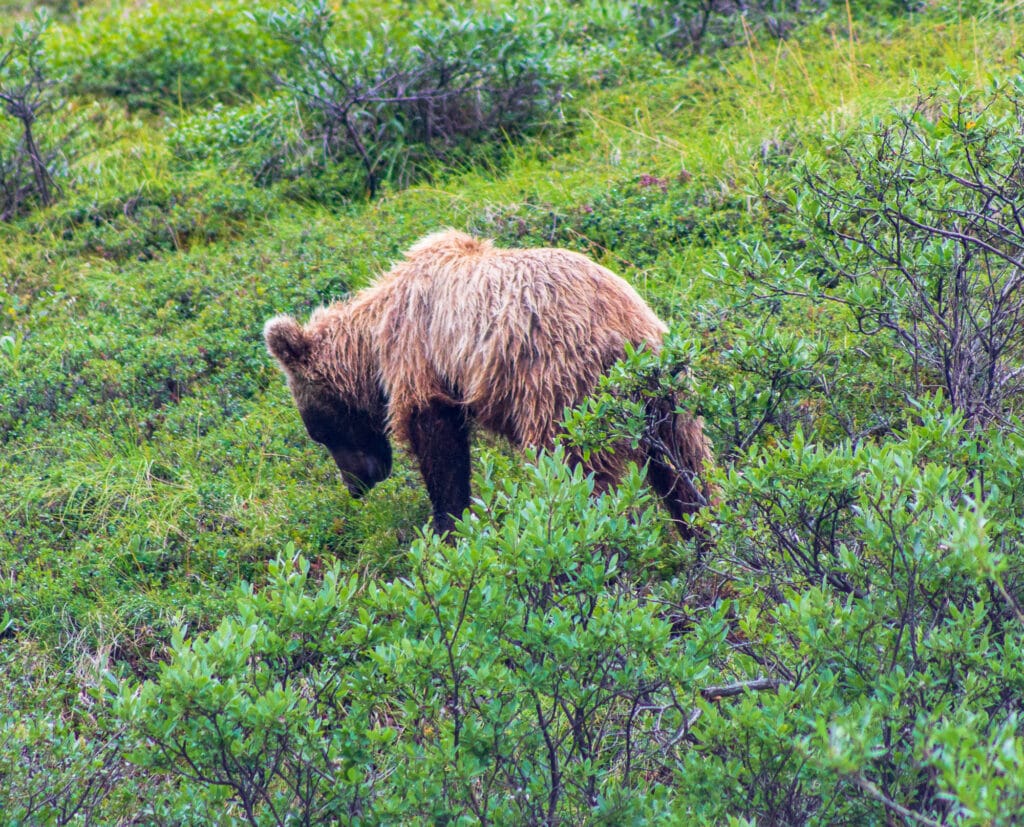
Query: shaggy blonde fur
x: 513, y: 336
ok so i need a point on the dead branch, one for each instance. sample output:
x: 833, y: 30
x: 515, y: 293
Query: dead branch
x: 715, y: 693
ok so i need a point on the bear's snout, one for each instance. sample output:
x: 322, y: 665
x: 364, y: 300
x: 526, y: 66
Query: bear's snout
x: 360, y: 471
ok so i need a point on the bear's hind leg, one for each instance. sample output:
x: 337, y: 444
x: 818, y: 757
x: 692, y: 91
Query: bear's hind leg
x: 677, y: 451
x: 677, y: 491
x: 439, y: 437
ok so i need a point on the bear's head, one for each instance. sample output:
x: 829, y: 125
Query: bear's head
x: 354, y: 436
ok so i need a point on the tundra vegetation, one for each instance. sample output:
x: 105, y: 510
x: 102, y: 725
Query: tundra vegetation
x: 198, y: 625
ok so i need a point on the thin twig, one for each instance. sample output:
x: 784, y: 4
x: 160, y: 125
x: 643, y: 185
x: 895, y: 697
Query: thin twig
x: 879, y: 796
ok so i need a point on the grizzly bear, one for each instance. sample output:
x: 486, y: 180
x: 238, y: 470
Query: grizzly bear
x: 462, y: 332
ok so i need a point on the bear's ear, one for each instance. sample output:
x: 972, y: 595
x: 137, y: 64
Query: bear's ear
x: 287, y: 342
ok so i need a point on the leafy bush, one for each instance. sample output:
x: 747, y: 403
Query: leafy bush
x: 679, y: 29
x: 257, y: 138
x: 640, y: 219
x: 517, y: 676
x: 916, y: 229
x: 27, y: 92
x: 49, y: 772
x: 857, y: 570
x: 883, y: 599
x: 165, y: 55
x: 165, y: 216
x: 392, y: 110
x: 536, y: 672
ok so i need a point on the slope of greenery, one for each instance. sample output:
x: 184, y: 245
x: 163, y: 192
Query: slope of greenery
x: 198, y: 625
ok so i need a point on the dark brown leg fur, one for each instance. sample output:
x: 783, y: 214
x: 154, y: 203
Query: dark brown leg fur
x: 439, y: 435
x: 677, y: 451
x: 676, y: 490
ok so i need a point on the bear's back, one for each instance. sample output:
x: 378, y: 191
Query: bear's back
x: 489, y: 288
x: 483, y: 326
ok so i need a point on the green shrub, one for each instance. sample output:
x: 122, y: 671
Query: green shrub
x: 516, y: 676
x: 640, y: 221
x: 749, y: 389
x: 49, y: 772
x: 162, y: 217
x: 31, y: 148
x: 680, y: 29
x: 535, y: 671
x: 164, y: 56
x: 256, y: 138
x: 914, y: 226
x: 879, y: 591
x: 392, y: 111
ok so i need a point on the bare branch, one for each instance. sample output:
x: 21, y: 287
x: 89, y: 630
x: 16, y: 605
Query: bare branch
x: 715, y: 693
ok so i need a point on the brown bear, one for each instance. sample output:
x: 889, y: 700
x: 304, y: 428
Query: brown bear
x: 463, y: 332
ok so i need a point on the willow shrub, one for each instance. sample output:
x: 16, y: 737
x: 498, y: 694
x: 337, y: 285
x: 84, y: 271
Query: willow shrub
x: 860, y: 659
x: 881, y: 587
x: 913, y: 226
x: 518, y: 675
x: 32, y: 141
x: 876, y: 586
x: 397, y: 108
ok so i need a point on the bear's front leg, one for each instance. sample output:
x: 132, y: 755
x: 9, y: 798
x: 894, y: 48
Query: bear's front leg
x: 439, y: 437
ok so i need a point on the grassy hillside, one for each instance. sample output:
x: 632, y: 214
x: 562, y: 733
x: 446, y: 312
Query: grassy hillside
x: 198, y: 625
